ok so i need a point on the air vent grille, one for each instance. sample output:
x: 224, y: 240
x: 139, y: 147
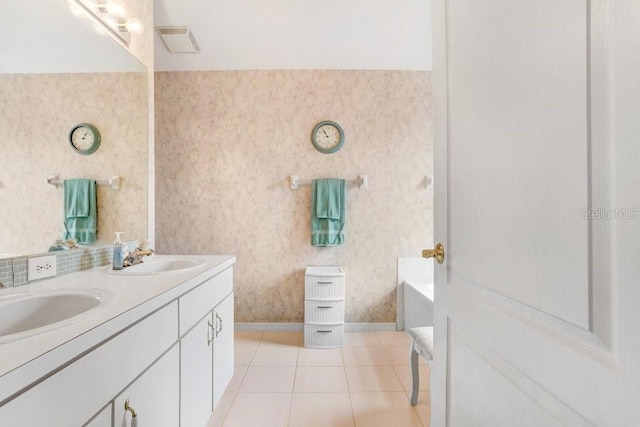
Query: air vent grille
x: 178, y: 39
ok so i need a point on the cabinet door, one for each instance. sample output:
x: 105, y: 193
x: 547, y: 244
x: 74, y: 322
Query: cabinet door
x: 103, y: 419
x: 154, y: 395
x: 223, y: 347
x: 196, y: 374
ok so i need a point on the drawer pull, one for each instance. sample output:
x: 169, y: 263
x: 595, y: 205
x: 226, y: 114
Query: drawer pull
x: 219, y: 321
x: 134, y: 415
x: 325, y: 283
x: 325, y: 306
x: 209, y: 330
x: 323, y: 331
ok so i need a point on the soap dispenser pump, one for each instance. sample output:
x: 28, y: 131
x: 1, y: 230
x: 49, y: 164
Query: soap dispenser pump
x: 118, y: 252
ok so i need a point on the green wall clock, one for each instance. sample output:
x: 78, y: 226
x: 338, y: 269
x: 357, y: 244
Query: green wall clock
x: 327, y: 137
x: 84, y: 138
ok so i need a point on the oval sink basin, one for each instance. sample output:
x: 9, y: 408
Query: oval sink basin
x: 160, y: 264
x: 23, y: 315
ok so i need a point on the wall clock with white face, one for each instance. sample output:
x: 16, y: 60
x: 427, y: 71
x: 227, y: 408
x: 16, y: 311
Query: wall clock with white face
x: 84, y: 138
x: 327, y: 137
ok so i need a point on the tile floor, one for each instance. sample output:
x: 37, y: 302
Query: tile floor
x: 280, y: 383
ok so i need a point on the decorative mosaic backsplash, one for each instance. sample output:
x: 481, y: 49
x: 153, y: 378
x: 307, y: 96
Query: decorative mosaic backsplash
x: 226, y: 143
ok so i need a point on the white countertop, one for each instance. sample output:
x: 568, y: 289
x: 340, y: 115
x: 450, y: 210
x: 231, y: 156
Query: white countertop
x: 28, y: 359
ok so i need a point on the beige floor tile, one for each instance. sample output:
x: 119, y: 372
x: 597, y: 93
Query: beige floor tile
x: 383, y: 409
x: 423, y: 409
x: 364, y: 356
x: 372, y: 378
x: 321, y: 379
x: 404, y: 373
x: 268, y: 379
x: 393, y: 338
x: 360, y: 339
x: 321, y: 410
x: 238, y: 375
x: 320, y: 357
x: 259, y: 409
x: 218, y: 415
x: 398, y: 355
x: 275, y: 355
x: 283, y: 338
x: 244, y: 351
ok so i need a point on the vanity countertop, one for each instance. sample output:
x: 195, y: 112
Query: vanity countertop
x: 28, y: 359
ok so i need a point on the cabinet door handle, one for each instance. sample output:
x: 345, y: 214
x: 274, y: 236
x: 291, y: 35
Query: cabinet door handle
x: 325, y: 283
x: 325, y: 306
x: 220, y: 322
x: 209, y: 329
x: 323, y: 331
x: 134, y: 414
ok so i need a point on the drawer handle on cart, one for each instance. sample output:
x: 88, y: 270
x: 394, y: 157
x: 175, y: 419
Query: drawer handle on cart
x: 325, y: 283
x: 325, y: 306
x: 323, y: 331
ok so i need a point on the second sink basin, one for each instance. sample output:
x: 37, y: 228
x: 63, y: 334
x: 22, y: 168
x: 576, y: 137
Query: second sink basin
x: 23, y: 315
x: 160, y: 264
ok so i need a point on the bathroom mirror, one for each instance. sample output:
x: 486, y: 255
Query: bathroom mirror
x: 57, y: 71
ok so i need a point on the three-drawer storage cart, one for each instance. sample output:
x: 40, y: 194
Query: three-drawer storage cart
x: 324, y: 307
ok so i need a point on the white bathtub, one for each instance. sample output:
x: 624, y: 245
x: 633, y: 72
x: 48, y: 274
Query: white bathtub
x: 415, y: 293
x: 418, y: 304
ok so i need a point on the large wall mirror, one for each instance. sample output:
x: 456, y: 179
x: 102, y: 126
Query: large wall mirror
x: 57, y: 71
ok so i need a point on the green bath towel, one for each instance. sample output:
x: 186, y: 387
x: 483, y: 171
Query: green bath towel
x: 327, y: 212
x: 80, y: 210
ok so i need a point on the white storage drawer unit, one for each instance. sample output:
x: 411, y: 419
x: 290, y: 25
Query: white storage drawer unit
x: 324, y: 289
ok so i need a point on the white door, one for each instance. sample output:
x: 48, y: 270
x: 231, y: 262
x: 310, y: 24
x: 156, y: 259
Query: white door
x: 537, y: 159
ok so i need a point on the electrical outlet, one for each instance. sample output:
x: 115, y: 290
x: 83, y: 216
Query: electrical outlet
x: 41, y: 267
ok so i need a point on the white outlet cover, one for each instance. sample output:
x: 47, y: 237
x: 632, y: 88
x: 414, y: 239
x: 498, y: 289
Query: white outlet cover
x: 42, y: 267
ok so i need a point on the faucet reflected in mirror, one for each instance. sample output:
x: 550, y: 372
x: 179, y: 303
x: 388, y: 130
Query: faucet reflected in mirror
x: 65, y: 74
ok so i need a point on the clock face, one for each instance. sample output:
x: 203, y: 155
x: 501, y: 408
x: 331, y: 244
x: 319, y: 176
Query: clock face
x: 327, y: 137
x: 84, y: 138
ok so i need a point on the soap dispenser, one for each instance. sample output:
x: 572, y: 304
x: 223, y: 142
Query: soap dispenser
x: 118, y: 252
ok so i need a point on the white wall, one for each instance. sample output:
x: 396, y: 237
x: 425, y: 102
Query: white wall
x: 299, y: 34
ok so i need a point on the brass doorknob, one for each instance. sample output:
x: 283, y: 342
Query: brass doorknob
x: 437, y: 253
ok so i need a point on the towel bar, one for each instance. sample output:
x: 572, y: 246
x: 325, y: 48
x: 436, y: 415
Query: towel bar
x: 113, y: 182
x: 362, y: 182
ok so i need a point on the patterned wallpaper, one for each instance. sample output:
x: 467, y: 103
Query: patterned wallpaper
x: 226, y: 143
x: 36, y: 113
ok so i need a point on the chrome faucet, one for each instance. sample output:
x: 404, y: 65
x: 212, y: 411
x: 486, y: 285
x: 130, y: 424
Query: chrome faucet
x: 135, y: 256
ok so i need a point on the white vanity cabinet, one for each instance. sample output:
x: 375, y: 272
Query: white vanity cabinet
x: 169, y: 353
x: 75, y: 394
x: 154, y: 396
x: 206, y: 348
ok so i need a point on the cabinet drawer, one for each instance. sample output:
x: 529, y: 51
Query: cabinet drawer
x: 323, y: 287
x: 324, y: 311
x: 197, y: 303
x: 326, y: 336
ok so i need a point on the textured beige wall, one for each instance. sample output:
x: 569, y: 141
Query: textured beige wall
x: 36, y: 113
x: 226, y: 143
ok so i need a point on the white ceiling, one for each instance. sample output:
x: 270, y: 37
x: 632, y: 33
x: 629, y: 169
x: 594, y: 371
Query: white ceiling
x: 43, y: 36
x: 298, y: 34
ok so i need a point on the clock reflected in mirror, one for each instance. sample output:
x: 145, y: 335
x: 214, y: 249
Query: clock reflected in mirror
x: 84, y: 138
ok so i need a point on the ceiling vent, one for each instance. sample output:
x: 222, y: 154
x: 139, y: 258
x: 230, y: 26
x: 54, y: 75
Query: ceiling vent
x: 178, y: 39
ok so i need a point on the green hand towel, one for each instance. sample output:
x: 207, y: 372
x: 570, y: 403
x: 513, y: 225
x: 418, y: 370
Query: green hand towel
x: 328, y: 212
x: 80, y: 210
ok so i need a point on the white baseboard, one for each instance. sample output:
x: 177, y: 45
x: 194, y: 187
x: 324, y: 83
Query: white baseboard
x: 299, y: 327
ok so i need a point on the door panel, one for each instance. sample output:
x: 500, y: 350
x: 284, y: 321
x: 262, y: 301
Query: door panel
x: 525, y: 318
x: 517, y: 90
